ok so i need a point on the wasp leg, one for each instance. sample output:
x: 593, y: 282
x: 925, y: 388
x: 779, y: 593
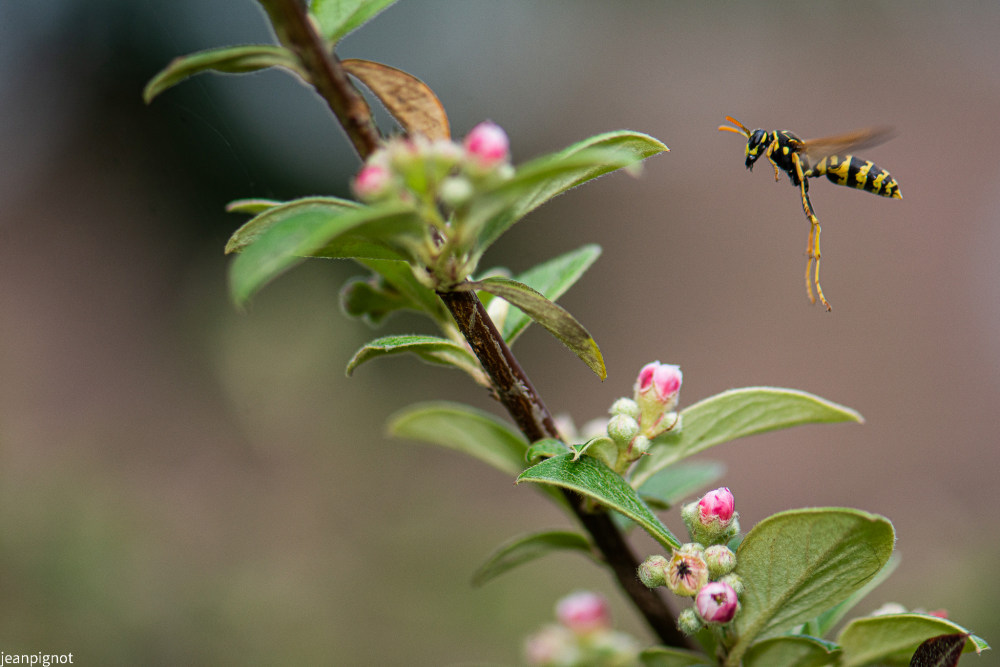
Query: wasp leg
x: 812, y: 247
x: 767, y: 153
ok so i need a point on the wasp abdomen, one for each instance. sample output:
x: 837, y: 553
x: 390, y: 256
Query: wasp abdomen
x: 856, y: 173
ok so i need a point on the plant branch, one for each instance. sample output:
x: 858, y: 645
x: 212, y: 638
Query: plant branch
x: 513, y: 388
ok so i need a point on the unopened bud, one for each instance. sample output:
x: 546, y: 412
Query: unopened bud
x: 626, y: 406
x: 656, y: 390
x: 686, y: 572
x: 372, y: 183
x: 487, y: 145
x: 736, y: 581
x: 720, y: 559
x: 455, y: 191
x: 716, y: 602
x: 622, y: 429
x: 638, y: 447
x: 653, y: 571
x: 712, y: 520
x: 688, y: 621
x: 553, y: 645
x: 584, y: 612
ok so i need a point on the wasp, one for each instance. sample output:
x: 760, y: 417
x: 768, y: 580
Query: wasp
x: 803, y: 160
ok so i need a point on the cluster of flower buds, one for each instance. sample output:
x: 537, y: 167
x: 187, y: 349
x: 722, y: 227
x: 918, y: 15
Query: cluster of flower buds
x: 583, y: 636
x: 636, y: 421
x: 418, y: 170
x: 705, y: 573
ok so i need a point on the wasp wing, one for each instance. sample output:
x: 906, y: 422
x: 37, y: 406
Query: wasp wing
x: 841, y: 144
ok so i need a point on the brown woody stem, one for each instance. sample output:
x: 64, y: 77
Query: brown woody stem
x: 513, y: 388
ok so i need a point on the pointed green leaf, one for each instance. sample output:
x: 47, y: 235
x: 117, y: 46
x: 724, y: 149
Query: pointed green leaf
x: 338, y: 18
x: 297, y: 230
x: 592, y: 479
x: 232, y: 60
x: 400, y: 276
x: 662, y: 656
x: 545, y: 449
x: 431, y: 349
x: 894, y: 637
x: 734, y: 414
x: 551, y: 279
x: 798, y: 563
x: 370, y: 299
x: 280, y: 211
x: 253, y: 206
x: 555, y: 319
x: 543, y: 178
x: 671, y: 485
x: 526, y: 548
x: 465, y: 429
x: 797, y: 650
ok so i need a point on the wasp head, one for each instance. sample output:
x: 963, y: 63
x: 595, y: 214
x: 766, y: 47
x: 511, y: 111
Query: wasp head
x: 756, y: 145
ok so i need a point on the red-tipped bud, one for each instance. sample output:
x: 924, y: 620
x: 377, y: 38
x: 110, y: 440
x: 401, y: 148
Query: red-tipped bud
x: 372, y: 182
x: 721, y: 560
x: 656, y: 392
x: 717, y: 505
x: 584, y: 612
x: 716, y: 602
x: 487, y: 144
x: 687, y: 572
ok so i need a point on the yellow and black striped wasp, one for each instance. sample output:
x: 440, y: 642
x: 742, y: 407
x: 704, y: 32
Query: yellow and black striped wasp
x: 803, y: 160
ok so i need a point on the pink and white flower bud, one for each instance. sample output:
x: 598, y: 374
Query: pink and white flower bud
x: 487, y: 144
x: 553, y: 645
x: 717, y: 505
x: 716, y: 602
x: 373, y: 182
x: 653, y: 571
x: 656, y: 391
x: 584, y: 612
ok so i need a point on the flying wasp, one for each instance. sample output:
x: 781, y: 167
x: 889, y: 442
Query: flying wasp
x: 828, y: 157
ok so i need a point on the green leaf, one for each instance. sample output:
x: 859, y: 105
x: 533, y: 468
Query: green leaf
x: 253, y: 228
x: 544, y: 449
x: 231, y: 59
x: 661, y: 656
x: 543, y: 178
x: 370, y: 299
x: 431, y: 349
x: 894, y: 637
x: 300, y: 229
x: 592, y: 479
x: 526, y: 548
x: 400, y: 276
x: 829, y: 618
x: 734, y: 414
x: 551, y: 279
x: 337, y: 18
x: 797, y: 650
x: 253, y: 206
x: 555, y: 319
x: 798, y: 563
x: 671, y: 485
x: 464, y: 429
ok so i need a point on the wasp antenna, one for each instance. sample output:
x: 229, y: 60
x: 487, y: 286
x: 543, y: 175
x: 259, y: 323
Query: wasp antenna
x: 742, y: 128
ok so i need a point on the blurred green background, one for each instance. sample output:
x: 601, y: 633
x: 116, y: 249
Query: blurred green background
x: 181, y: 483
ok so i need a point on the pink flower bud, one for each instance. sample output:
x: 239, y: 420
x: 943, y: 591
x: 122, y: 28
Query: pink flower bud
x: 686, y: 573
x: 487, y: 143
x: 584, y: 612
x: 664, y: 379
x: 371, y: 182
x: 716, y: 602
x: 716, y: 505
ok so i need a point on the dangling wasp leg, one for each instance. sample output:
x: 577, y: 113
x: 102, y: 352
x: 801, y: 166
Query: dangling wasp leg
x: 812, y: 247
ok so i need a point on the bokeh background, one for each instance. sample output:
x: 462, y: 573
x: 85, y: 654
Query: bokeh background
x: 181, y: 483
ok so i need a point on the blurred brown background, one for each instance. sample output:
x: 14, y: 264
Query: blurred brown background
x: 184, y: 484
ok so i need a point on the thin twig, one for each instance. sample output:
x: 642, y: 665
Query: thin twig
x: 511, y: 383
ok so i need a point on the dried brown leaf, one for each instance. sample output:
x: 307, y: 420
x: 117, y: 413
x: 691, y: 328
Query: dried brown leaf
x: 410, y: 101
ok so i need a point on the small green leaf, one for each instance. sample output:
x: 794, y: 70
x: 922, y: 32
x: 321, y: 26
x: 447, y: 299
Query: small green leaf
x: 671, y: 485
x: 253, y: 228
x: 317, y: 230
x: 555, y: 319
x: 400, y: 276
x: 545, y: 449
x: 338, y: 18
x: 370, y: 299
x: 592, y: 479
x: 526, y: 548
x: 465, y: 429
x: 798, y: 563
x: 543, y: 178
x: 601, y: 448
x: 231, y: 60
x: 894, y: 637
x: 551, y: 279
x: 797, y: 650
x: 431, y: 349
x: 252, y: 206
x: 735, y: 414
x: 661, y: 656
